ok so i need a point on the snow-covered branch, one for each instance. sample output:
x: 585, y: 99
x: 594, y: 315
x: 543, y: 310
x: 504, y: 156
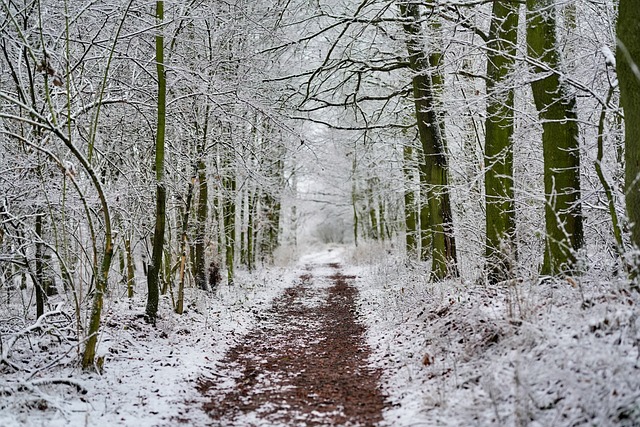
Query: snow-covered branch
x: 39, y: 324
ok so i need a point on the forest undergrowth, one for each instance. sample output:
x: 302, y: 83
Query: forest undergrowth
x: 146, y: 375
x: 559, y: 352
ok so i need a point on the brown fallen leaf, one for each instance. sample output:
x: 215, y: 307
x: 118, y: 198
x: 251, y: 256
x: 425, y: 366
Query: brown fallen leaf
x: 427, y: 360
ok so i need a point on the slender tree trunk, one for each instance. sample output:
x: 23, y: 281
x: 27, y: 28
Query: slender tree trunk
x: 167, y: 270
x: 130, y: 268
x: 608, y: 190
x: 102, y: 280
x: 39, y: 276
x: 153, y: 287
x: 354, y: 198
x: 434, y: 165
x: 498, y: 155
x: 382, y: 222
x: 373, y: 216
x: 628, y: 63
x: 201, y: 222
x: 184, y: 246
x: 560, y: 143
x: 200, y: 263
x: 244, y: 221
x: 425, y: 231
x: 410, y: 210
x: 253, y: 199
x: 229, y: 215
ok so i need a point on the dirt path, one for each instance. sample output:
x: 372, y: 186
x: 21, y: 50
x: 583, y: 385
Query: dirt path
x: 304, y: 364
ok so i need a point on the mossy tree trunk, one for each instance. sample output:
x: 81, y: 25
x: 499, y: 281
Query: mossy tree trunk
x: 272, y: 207
x: 498, y: 151
x: 628, y: 64
x: 560, y: 143
x: 434, y: 164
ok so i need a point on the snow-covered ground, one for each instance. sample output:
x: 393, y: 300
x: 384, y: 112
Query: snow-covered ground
x: 149, y: 375
x: 553, y: 354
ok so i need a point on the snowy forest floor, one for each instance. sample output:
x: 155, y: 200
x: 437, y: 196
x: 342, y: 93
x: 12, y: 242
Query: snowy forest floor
x: 447, y: 354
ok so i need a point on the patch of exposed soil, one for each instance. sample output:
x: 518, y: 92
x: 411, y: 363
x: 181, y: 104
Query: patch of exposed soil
x: 305, y: 364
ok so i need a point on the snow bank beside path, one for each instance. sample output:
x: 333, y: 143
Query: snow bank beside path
x: 150, y: 374
x: 554, y: 354
x: 536, y: 355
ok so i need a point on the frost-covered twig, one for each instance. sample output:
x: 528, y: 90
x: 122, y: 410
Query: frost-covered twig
x: 6, y: 349
x: 80, y: 388
x: 31, y: 385
x: 55, y: 361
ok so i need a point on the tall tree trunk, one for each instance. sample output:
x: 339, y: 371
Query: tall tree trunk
x: 498, y: 153
x: 434, y: 165
x: 161, y: 191
x: 628, y: 63
x: 560, y: 143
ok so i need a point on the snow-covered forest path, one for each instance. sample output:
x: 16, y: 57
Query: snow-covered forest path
x: 305, y: 363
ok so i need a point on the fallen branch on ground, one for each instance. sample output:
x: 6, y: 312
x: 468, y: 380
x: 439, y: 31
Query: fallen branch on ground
x: 39, y: 324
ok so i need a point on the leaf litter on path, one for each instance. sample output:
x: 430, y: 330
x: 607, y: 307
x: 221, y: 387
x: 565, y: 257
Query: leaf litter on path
x: 306, y: 362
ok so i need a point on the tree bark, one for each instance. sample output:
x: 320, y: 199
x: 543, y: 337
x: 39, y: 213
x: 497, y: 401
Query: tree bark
x: 371, y: 207
x: 229, y: 218
x: 354, y: 197
x: 560, y: 143
x: 184, y: 246
x: 410, y: 210
x: 200, y: 264
x: 433, y: 166
x: 251, y: 229
x: 39, y: 276
x: 153, y: 287
x: 201, y: 222
x: 130, y: 268
x: 628, y: 66
x: 498, y: 154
